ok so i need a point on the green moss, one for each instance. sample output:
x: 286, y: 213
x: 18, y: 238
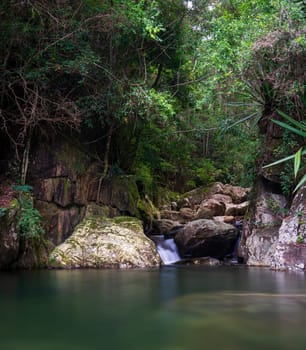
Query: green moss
x: 72, y: 157
x: 147, y: 210
x: 125, y: 194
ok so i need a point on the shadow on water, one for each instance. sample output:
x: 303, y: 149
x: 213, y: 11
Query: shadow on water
x: 174, y: 308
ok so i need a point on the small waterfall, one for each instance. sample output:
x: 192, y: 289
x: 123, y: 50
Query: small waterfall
x: 167, y: 249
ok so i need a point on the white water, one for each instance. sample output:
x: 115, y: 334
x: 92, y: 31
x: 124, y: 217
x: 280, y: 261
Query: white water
x: 167, y: 250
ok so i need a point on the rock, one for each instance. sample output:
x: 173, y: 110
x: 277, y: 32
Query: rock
x: 187, y: 214
x: 290, y: 250
x: 218, y: 191
x: 224, y: 198
x: 94, y: 209
x: 260, y: 230
x: 192, y: 198
x: 237, y: 193
x: 206, y: 261
x: 236, y: 209
x: 59, y: 222
x: 106, y: 243
x: 164, y: 226
x: 226, y: 219
x: 15, y: 251
x: 58, y: 190
x: 216, y: 188
x: 9, y: 237
x: 210, y: 208
x: 203, y: 237
x: 204, y: 213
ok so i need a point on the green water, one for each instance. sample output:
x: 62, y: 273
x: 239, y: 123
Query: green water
x: 175, y: 308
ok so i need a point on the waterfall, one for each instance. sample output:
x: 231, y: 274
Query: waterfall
x: 167, y: 249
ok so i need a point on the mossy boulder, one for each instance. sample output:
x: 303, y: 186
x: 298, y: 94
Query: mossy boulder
x: 99, y: 242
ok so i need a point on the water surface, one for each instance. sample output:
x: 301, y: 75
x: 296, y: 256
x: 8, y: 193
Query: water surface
x: 175, y: 308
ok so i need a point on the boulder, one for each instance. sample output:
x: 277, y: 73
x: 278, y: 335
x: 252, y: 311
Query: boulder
x: 187, y: 213
x: 236, y: 209
x: 210, y: 208
x: 99, y: 242
x: 204, y: 237
x: 226, y: 219
x: 164, y: 226
x: 237, y: 193
x: 224, y: 198
x: 192, y: 198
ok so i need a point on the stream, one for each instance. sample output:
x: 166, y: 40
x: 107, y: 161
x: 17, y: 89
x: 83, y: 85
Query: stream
x: 172, y: 308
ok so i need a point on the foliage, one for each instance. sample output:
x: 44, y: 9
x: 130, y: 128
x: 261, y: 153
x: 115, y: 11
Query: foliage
x: 298, y: 128
x: 156, y: 88
x: 29, y: 218
x: 299, y: 239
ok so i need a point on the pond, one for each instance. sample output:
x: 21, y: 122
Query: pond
x: 172, y: 308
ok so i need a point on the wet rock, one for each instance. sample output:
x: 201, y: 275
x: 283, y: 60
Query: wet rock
x: 99, y: 243
x: 203, y: 237
x: 164, y: 226
x: 205, y: 261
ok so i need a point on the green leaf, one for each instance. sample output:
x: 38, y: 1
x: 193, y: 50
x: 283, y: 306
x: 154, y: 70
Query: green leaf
x: 284, y: 159
x: 299, y: 185
x: 289, y: 127
x: 291, y: 120
x: 297, y: 161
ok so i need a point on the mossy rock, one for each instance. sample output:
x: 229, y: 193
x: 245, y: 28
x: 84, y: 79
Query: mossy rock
x: 125, y: 195
x: 99, y: 242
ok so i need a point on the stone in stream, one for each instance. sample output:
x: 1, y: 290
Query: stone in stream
x: 99, y: 242
x: 204, y: 237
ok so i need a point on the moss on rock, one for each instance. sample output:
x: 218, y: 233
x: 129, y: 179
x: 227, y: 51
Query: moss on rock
x: 99, y: 242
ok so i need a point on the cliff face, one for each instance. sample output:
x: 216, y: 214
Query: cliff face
x: 274, y: 233
x: 273, y: 237
x: 67, y: 183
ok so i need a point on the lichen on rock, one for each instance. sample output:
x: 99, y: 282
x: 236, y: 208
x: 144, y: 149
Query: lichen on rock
x: 99, y: 242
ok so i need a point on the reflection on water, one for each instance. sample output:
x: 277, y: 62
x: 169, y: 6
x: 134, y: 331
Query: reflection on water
x: 175, y: 308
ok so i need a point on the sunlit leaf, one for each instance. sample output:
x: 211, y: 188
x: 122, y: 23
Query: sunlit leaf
x: 297, y: 161
x: 301, y: 183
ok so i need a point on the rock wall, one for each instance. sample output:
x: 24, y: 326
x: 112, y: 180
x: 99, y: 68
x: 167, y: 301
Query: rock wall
x: 66, y: 179
x: 261, y: 226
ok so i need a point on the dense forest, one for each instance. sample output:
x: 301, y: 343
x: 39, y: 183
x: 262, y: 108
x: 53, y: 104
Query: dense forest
x: 174, y: 95
x: 171, y: 91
